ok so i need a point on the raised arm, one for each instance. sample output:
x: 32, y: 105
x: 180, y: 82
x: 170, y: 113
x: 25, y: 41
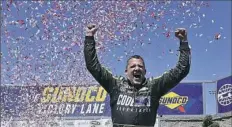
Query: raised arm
x: 101, y: 74
x: 171, y: 78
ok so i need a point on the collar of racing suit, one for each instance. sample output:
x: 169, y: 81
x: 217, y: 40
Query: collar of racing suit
x: 140, y: 86
x: 136, y: 89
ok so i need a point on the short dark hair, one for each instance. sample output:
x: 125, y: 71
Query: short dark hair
x: 136, y: 57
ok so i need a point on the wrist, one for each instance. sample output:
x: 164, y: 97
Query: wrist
x: 89, y: 34
x: 89, y: 37
x: 184, y: 40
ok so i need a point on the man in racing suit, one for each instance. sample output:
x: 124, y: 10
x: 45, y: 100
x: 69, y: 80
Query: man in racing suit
x: 134, y: 99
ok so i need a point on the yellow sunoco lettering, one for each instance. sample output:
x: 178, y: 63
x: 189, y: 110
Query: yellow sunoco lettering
x: 73, y: 94
x: 47, y: 94
x: 55, y: 95
x: 89, y: 96
x: 60, y: 94
x: 80, y: 94
x: 68, y: 94
x: 101, y: 94
x: 174, y: 100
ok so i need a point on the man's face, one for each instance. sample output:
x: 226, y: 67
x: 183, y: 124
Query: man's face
x: 135, y: 71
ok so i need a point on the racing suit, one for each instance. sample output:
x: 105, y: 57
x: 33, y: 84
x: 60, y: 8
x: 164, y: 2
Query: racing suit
x: 131, y: 106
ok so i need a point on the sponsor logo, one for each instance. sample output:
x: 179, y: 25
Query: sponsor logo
x: 125, y: 100
x: 173, y: 101
x: 61, y: 100
x: 225, y: 95
x: 73, y: 94
x: 95, y: 123
x: 91, y: 123
x: 133, y: 104
x: 138, y: 101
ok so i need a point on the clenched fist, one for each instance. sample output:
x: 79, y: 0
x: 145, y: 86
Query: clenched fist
x: 91, y: 30
x: 181, y: 33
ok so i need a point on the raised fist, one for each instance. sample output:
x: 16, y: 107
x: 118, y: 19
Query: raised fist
x: 181, y: 33
x: 91, y: 30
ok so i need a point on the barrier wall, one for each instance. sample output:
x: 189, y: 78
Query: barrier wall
x: 60, y: 123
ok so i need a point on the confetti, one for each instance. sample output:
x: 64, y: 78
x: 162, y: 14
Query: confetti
x: 170, y: 51
x: 203, y: 15
x: 212, y: 21
x: 217, y: 36
x: 43, y: 40
x: 45, y: 35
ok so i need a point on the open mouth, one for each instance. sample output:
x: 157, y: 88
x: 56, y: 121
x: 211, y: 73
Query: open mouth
x: 137, y: 76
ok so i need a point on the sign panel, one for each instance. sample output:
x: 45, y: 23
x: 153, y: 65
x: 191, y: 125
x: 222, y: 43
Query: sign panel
x: 184, y: 99
x: 224, y: 95
x: 82, y: 101
x: 55, y: 101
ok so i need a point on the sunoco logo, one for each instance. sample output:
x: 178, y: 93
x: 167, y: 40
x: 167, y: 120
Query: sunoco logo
x: 225, y: 95
x: 173, y: 100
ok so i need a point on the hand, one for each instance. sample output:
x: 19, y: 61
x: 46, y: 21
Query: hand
x: 91, y: 30
x: 181, y: 33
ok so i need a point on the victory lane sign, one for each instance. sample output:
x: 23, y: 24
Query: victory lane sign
x: 71, y: 100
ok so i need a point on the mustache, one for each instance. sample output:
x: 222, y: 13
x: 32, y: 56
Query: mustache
x: 137, y: 71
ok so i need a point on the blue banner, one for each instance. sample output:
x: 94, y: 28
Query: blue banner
x: 224, y: 95
x: 184, y: 99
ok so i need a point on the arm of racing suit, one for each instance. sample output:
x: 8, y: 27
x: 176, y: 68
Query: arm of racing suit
x: 171, y: 78
x: 101, y: 74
